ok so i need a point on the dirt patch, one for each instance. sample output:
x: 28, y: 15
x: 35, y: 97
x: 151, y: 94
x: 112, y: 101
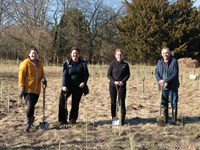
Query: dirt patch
x: 93, y: 130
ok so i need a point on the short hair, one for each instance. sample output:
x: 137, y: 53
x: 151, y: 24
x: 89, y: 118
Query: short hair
x: 167, y: 48
x: 118, y: 50
x: 75, y: 48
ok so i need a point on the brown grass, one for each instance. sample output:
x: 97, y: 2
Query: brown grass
x: 93, y: 131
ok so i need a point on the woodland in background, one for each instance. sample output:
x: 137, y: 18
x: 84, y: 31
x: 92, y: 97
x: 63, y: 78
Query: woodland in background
x: 140, y: 27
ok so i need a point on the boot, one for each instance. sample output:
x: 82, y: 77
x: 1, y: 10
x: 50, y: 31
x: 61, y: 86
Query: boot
x: 28, y: 124
x: 174, y: 116
x: 166, y: 116
x: 72, y: 121
x: 123, y: 121
x: 32, y: 119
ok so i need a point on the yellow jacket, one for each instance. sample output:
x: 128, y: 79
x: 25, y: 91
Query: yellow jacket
x: 30, y: 76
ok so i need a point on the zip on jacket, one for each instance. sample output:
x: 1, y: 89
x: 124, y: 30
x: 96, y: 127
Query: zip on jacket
x: 30, y: 76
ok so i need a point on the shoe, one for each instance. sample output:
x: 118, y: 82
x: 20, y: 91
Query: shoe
x: 61, y: 123
x: 123, y: 122
x: 174, y: 116
x: 166, y: 116
x: 72, y: 121
x: 28, y: 125
x: 115, y: 122
x: 32, y: 119
x: 27, y: 128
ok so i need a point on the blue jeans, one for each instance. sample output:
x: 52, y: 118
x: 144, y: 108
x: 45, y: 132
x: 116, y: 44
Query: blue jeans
x: 173, y: 95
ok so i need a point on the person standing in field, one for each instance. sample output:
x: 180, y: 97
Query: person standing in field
x: 74, y: 82
x: 30, y: 77
x: 167, y: 76
x: 118, y: 74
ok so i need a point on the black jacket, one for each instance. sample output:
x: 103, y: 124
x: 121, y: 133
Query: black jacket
x: 74, y: 73
x: 118, y: 71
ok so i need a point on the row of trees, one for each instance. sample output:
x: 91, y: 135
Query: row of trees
x: 141, y: 28
x: 53, y: 26
x: 150, y: 26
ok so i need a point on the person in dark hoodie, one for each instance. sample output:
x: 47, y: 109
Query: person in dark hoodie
x: 118, y: 74
x: 167, y: 76
x: 74, y: 82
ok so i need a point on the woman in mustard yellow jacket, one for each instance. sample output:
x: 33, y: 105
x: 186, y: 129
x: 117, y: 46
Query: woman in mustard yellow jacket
x: 30, y: 77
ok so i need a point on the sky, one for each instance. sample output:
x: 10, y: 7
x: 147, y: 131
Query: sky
x: 117, y: 3
x: 197, y: 3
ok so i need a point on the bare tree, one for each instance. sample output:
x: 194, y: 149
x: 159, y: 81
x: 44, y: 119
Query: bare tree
x: 35, y: 23
x: 101, y: 20
x: 30, y: 17
x: 5, y: 14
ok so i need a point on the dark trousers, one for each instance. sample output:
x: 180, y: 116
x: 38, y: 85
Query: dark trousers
x: 76, y: 93
x: 121, y: 100
x: 63, y: 113
x: 31, y: 100
x: 173, y: 95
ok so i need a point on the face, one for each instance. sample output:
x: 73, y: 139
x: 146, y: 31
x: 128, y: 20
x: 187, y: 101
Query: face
x: 33, y: 55
x: 75, y: 55
x: 119, y: 56
x: 165, y: 54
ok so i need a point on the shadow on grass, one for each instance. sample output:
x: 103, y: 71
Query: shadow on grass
x: 132, y: 121
x: 32, y: 147
x: 184, y: 120
x: 190, y: 120
x: 140, y: 120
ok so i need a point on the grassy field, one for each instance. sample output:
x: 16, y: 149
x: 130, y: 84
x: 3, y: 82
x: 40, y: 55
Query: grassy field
x: 93, y: 130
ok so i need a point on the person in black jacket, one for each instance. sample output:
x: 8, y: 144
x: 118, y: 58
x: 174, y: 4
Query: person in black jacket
x: 118, y: 74
x: 74, y: 82
x: 167, y: 76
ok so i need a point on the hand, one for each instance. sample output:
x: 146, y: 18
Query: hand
x: 116, y: 82
x: 44, y: 82
x: 82, y: 85
x: 161, y: 82
x: 121, y: 83
x: 21, y: 93
x: 64, y: 88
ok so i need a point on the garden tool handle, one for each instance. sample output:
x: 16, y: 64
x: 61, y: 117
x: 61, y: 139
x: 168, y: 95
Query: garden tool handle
x: 118, y: 92
x: 43, y: 107
x: 161, y: 91
x: 116, y: 102
x: 117, y: 99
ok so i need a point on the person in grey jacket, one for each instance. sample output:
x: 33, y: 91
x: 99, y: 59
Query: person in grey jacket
x: 167, y: 76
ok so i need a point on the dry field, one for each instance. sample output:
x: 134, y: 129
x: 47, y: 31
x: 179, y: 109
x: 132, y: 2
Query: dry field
x: 93, y: 130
